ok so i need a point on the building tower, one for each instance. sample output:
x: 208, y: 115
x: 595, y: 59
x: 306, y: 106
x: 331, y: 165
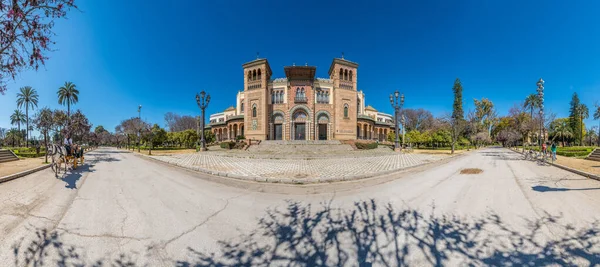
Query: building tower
x: 257, y: 74
x: 344, y: 76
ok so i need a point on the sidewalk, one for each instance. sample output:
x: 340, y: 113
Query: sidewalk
x: 588, y: 168
x: 585, y: 165
x: 12, y: 167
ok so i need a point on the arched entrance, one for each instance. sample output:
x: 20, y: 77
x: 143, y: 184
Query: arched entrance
x: 299, y: 119
x: 277, y: 127
x: 323, y: 126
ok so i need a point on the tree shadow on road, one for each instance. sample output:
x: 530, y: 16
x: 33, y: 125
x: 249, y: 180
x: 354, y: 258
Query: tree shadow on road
x: 543, y: 188
x: 47, y: 249
x: 374, y: 235
x: 368, y: 234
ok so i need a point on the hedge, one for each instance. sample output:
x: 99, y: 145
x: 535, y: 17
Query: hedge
x: 572, y: 153
x: 30, y: 155
x: 227, y: 145
x: 366, y: 145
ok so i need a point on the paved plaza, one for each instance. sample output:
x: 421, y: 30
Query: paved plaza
x: 121, y: 209
x: 299, y: 170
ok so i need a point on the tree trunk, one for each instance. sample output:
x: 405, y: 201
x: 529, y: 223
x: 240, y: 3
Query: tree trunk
x: 27, y: 125
x: 46, y: 145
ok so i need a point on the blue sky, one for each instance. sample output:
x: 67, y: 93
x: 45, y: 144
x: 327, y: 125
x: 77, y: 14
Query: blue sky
x: 160, y: 54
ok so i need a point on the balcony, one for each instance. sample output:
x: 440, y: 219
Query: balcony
x: 300, y: 99
x: 346, y: 85
x: 254, y: 84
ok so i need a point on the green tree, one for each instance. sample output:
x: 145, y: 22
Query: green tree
x: 159, y: 135
x: 532, y: 102
x: 13, y: 135
x: 574, y: 111
x: 17, y: 118
x: 44, y: 122
x: 99, y: 129
x: 582, y: 113
x: 458, y: 115
x: 560, y: 129
x: 27, y: 97
x: 68, y: 95
x: 485, y: 114
x: 597, y: 117
x: 210, y: 137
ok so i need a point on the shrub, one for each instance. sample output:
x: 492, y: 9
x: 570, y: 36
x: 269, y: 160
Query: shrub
x: 366, y: 145
x: 227, y: 145
x: 239, y: 145
x: 240, y: 137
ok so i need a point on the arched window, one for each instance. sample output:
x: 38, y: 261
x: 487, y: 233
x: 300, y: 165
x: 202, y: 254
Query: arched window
x: 273, y: 95
x: 259, y: 74
x: 297, y: 92
x: 341, y: 74
x: 280, y: 96
x: 357, y: 106
x: 346, y: 75
x: 249, y: 75
x: 254, y: 75
x: 350, y: 77
x: 254, y: 110
x: 242, y: 106
x: 345, y: 110
x: 302, y: 93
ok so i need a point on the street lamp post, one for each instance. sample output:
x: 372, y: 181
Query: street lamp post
x: 397, y: 105
x: 139, y: 126
x: 202, y: 100
x: 540, y: 91
x: 403, y: 121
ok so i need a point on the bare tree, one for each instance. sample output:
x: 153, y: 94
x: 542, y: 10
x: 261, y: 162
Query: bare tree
x: 418, y: 119
x: 177, y: 123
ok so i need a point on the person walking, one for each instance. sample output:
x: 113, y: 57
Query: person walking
x: 553, y: 149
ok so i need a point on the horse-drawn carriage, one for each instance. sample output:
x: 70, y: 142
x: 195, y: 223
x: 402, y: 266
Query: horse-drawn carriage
x: 60, y: 155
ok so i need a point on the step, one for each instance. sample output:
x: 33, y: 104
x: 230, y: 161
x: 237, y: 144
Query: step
x: 8, y: 160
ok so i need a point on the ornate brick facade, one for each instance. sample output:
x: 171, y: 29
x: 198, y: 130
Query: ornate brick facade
x: 301, y: 106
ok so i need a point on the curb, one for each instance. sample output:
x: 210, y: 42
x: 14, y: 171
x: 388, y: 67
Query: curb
x: 312, y: 181
x: 27, y: 172
x: 23, y: 173
x: 582, y: 173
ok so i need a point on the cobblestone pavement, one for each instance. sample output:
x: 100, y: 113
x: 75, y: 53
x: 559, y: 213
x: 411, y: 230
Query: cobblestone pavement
x: 298, y: 169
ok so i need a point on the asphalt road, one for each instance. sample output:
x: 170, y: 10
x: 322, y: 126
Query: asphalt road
x: 121, y: 208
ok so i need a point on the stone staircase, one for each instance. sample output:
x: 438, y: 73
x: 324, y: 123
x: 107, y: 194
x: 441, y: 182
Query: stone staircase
x: 299, y: 146
x: 7, y: 155
x: 595, y: 155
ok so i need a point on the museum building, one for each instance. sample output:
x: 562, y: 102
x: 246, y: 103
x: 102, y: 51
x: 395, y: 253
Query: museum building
x: 301, y: 106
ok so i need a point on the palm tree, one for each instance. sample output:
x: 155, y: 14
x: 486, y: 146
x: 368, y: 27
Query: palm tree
x: 532, y: 102
x: 562, y: 130
x: 28, y: 97
x: 584, y: 113
x: 13, y: 135
x: 68, y: 94
x: 17, y: 118
x: 597, y: 117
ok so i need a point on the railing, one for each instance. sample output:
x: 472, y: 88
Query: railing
x: 300, y: 99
